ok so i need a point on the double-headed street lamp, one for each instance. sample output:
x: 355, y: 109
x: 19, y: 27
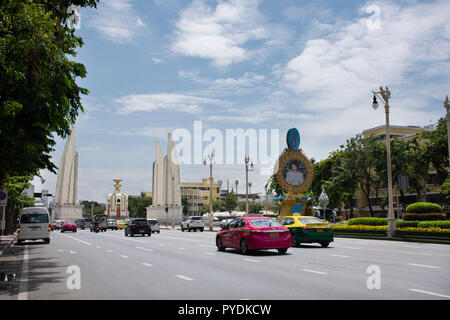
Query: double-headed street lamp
x: 211, y: 222
x: 385, y: 96
x: 247, y: 160
x: 323, y: 202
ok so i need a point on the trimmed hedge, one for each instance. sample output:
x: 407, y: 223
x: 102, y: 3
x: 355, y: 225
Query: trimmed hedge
x: 424, y: 207
x: 442, y: 224
x: 406, y: 224
x: 424, y: 216
x: 368, y: 221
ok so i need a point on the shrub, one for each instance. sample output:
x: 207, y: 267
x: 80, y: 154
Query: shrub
x: 423, y: 207
x: 368, y: 221
x: 424, y: 216
x: 442, y: 224
x: 406, y: 224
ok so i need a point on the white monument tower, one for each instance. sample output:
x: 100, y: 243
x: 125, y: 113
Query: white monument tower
x: 166, y: 193
x: 66, y: 204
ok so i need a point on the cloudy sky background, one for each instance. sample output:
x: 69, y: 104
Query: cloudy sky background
x: 157, y: 66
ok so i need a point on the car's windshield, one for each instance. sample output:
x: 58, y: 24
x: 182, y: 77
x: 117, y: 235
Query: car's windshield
x: 264, y: 223
x: 310, y: 220
x: 196, y: 218
x: 34, y: 218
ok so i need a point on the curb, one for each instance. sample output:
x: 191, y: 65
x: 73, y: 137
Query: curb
x: 8, y: 245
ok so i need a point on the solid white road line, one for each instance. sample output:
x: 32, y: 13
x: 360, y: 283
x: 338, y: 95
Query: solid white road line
x: 250, y: 260
x: 108, y: 250
x: 23, y: 287
x: 146, y: 264
x: 423, y: 265
x: 184, y: 277
x: 314, y: 271
x: 124, y: 256
x: 430, y: 293
x: 210, y: 253
x: 354, y: 248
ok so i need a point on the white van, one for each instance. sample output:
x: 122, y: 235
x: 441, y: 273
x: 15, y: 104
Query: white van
x: 34, y: 225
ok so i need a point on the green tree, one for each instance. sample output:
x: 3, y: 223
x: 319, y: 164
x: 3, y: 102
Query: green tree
x: 230, y: 201
x: 16, y: 200
x: 39, y: 95
x: 436, y: 148
x: 253, y: 207
x: 137, y: 206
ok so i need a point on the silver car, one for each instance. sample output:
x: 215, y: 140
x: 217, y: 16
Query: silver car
x: 155, y: 225
x: 112, y: 224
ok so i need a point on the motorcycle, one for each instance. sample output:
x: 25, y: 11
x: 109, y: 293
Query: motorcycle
x: 95, y: 228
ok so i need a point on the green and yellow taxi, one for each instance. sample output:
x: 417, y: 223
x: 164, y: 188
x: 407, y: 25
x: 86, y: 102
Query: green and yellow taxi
x: 121, y: 224
x: 307, y: 229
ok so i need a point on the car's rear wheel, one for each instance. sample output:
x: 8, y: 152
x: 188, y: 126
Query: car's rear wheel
x: 201, y: 229
x: 294, y: 240
x: 324, y: 244
x: 219, y: 244
x: 244, y: 247
x: 47, y: 240
x: 282, y: 250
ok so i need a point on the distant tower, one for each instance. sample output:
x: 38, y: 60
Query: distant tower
x: 65, y: 203
x: 117, y: 203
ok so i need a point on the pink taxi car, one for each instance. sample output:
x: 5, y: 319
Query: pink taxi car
x: 254, y: 233
x: 69, y: 226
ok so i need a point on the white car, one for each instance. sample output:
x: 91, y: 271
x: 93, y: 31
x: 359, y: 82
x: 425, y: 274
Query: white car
x: 154, y: 224
x: 193, y: 223
x: 34, y: 224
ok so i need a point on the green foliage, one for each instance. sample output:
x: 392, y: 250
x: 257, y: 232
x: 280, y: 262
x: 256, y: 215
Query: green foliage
x: 423, y: 216
x: 272, y: 186
x: 38, y: 91
x: 443, y: 224
x: 137, y: 206
x: 92, y: 208
x: 423, y: 207
x: 400, y: 223
x: 445, y: 191
x: 230, y: 201
x: 368, y: 221
x: 253, y: 207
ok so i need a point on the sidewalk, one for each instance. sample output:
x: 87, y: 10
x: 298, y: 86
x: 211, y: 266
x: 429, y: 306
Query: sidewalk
x: 6, y: 242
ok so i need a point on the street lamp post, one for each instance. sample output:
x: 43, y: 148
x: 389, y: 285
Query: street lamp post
x: 247, y: 160
x: 173, y: 203
x: 211, y: 222
x: 385, y: 96
x: 447, y: 107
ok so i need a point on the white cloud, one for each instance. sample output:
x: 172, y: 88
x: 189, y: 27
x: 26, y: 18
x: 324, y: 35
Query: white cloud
x: 220, y: 34
x: 117, y: 20
x: 163, y: 101
x: 338, y: 71
x: 334, y: 75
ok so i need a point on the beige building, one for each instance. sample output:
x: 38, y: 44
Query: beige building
x: 197, y: 194
x: 378, y: 197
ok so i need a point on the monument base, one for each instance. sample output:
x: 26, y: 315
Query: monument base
x: 66, y: 211
x: 172, y: 217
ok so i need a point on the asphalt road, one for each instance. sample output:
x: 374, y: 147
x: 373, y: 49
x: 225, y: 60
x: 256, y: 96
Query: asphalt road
x: 187, y: 266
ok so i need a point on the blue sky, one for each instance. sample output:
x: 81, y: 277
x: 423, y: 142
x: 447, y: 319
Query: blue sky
x: 155, y: 66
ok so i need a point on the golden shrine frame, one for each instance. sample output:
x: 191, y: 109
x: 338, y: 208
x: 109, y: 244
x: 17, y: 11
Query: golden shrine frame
x: 287, y: 156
